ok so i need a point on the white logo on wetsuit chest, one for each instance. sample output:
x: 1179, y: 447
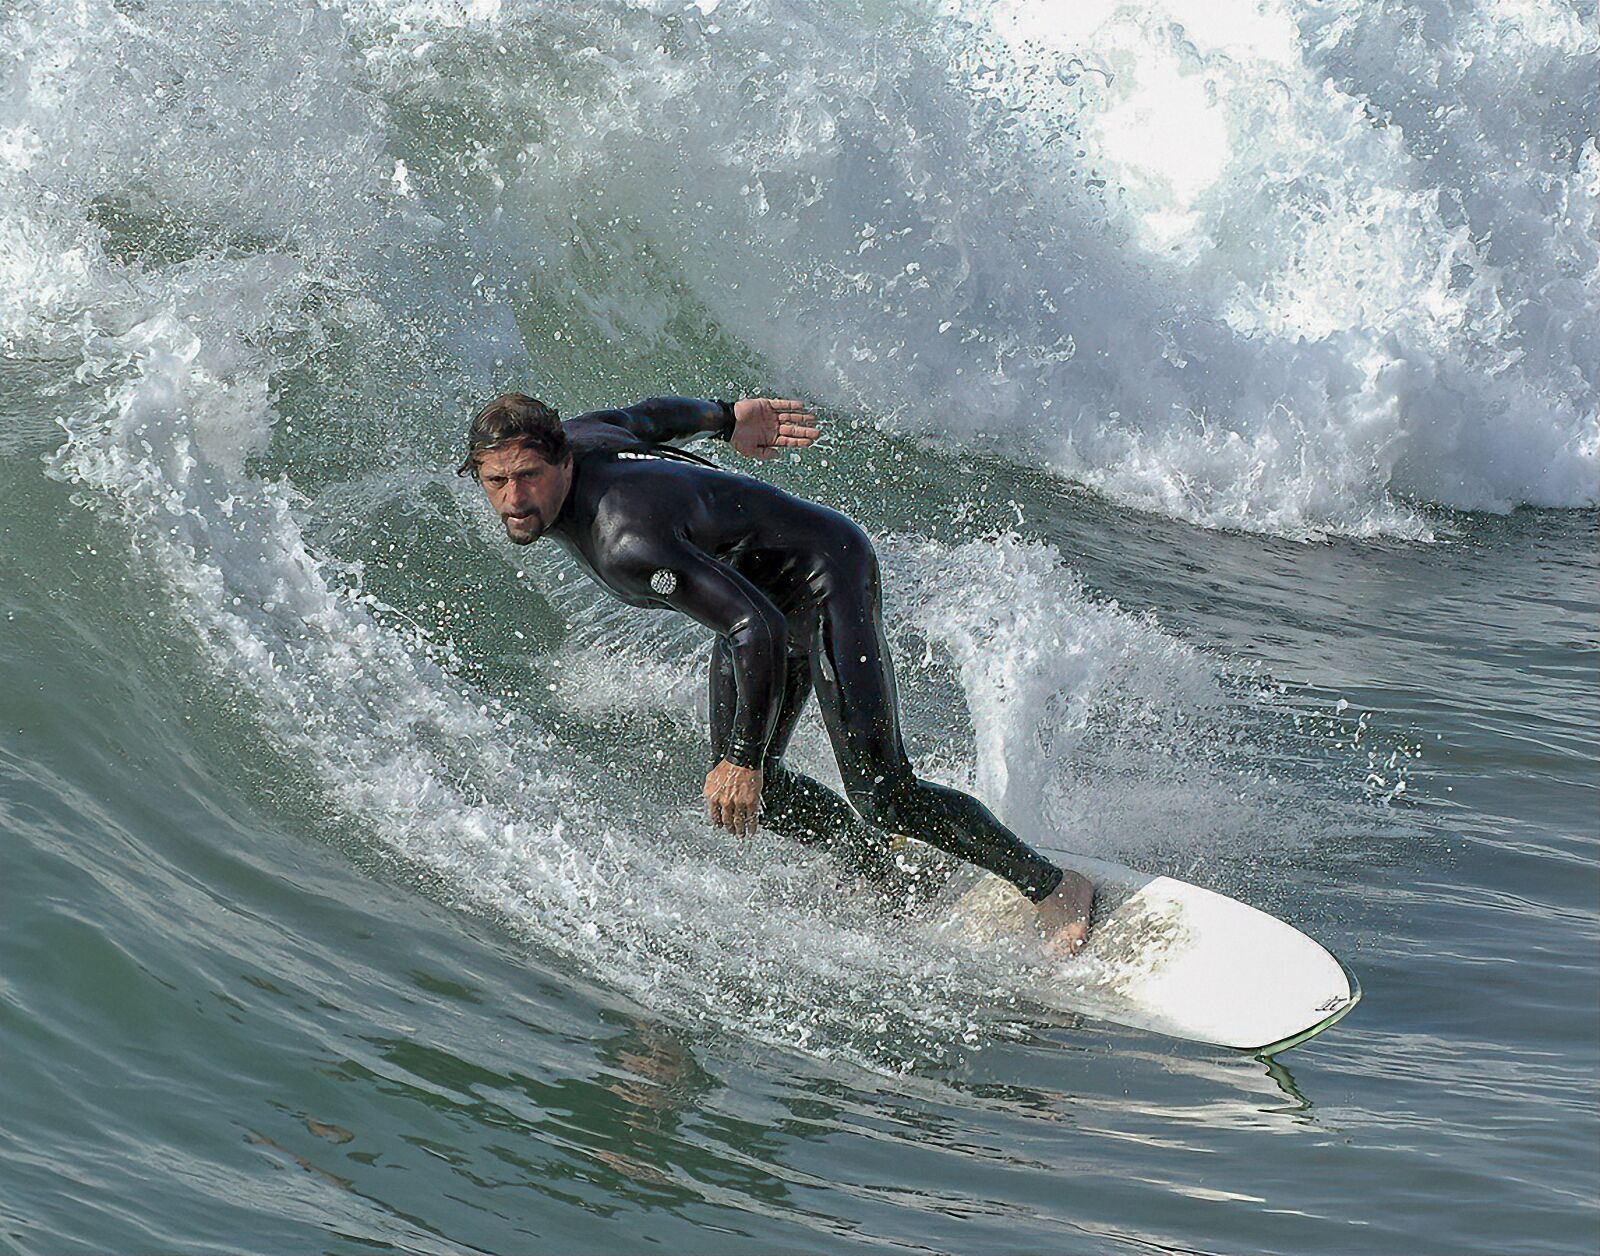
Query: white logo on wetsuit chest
x: 663, y: 582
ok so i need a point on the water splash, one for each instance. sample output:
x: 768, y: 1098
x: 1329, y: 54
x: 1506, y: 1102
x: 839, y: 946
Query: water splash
x: 278, y: 243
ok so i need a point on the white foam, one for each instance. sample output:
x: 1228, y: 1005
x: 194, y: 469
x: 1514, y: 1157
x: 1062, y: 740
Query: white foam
x: 1185, y: 253
x: 254, y: 144
x: 1044, y: 666
x: 185, y: 353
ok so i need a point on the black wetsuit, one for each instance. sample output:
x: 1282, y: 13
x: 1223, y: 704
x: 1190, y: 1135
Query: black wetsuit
x: 791, y: 589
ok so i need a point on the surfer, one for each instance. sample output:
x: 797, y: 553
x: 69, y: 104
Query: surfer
x: 791, y: 589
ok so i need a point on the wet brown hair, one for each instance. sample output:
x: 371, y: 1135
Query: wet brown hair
x: 515, y: 419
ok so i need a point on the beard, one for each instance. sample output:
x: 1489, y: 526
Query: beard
x: 533, y: 528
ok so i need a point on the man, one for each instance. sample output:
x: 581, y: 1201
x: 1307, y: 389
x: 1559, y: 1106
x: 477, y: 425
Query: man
x: 791, y: 589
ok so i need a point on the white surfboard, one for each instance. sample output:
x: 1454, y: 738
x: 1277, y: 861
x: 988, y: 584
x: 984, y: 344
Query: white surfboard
x: 1171, y: 957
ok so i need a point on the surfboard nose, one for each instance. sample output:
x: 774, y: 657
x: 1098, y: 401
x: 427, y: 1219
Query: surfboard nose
x: 1177, y: 959
x: 1336, y: 1007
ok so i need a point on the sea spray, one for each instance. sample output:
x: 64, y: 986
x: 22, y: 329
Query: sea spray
x: 1188, y: 255
x: 197, y: 213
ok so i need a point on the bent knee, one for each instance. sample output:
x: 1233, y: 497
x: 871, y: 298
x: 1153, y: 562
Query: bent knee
x: 885, y: 799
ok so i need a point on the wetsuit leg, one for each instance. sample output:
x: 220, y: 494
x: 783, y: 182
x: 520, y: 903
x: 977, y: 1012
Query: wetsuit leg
x: 854, y: 678
x: 793, y: 804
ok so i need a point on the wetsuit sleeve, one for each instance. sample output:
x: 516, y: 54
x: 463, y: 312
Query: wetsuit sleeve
x: 657, y: 420
x: 717, y: 596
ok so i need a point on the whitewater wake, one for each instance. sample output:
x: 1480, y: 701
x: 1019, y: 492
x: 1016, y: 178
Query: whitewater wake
x: 268, y: 256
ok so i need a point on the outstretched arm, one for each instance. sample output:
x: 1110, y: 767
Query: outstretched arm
x: 758, y: 427
x: 660, y: 419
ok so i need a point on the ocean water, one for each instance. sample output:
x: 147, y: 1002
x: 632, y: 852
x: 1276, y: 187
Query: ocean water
x: 1222, y: 386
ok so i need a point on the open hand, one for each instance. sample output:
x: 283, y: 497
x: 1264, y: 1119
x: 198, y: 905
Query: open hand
x: 764, y: 425
x: 733, y: 797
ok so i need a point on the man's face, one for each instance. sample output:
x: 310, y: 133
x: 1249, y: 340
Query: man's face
x: 525, y: 490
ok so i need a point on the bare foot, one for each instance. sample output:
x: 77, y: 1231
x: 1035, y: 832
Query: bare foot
x: 1064, y: 916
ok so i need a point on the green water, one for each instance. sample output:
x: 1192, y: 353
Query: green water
x: 354, y: 893
x: 234, y: 1022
